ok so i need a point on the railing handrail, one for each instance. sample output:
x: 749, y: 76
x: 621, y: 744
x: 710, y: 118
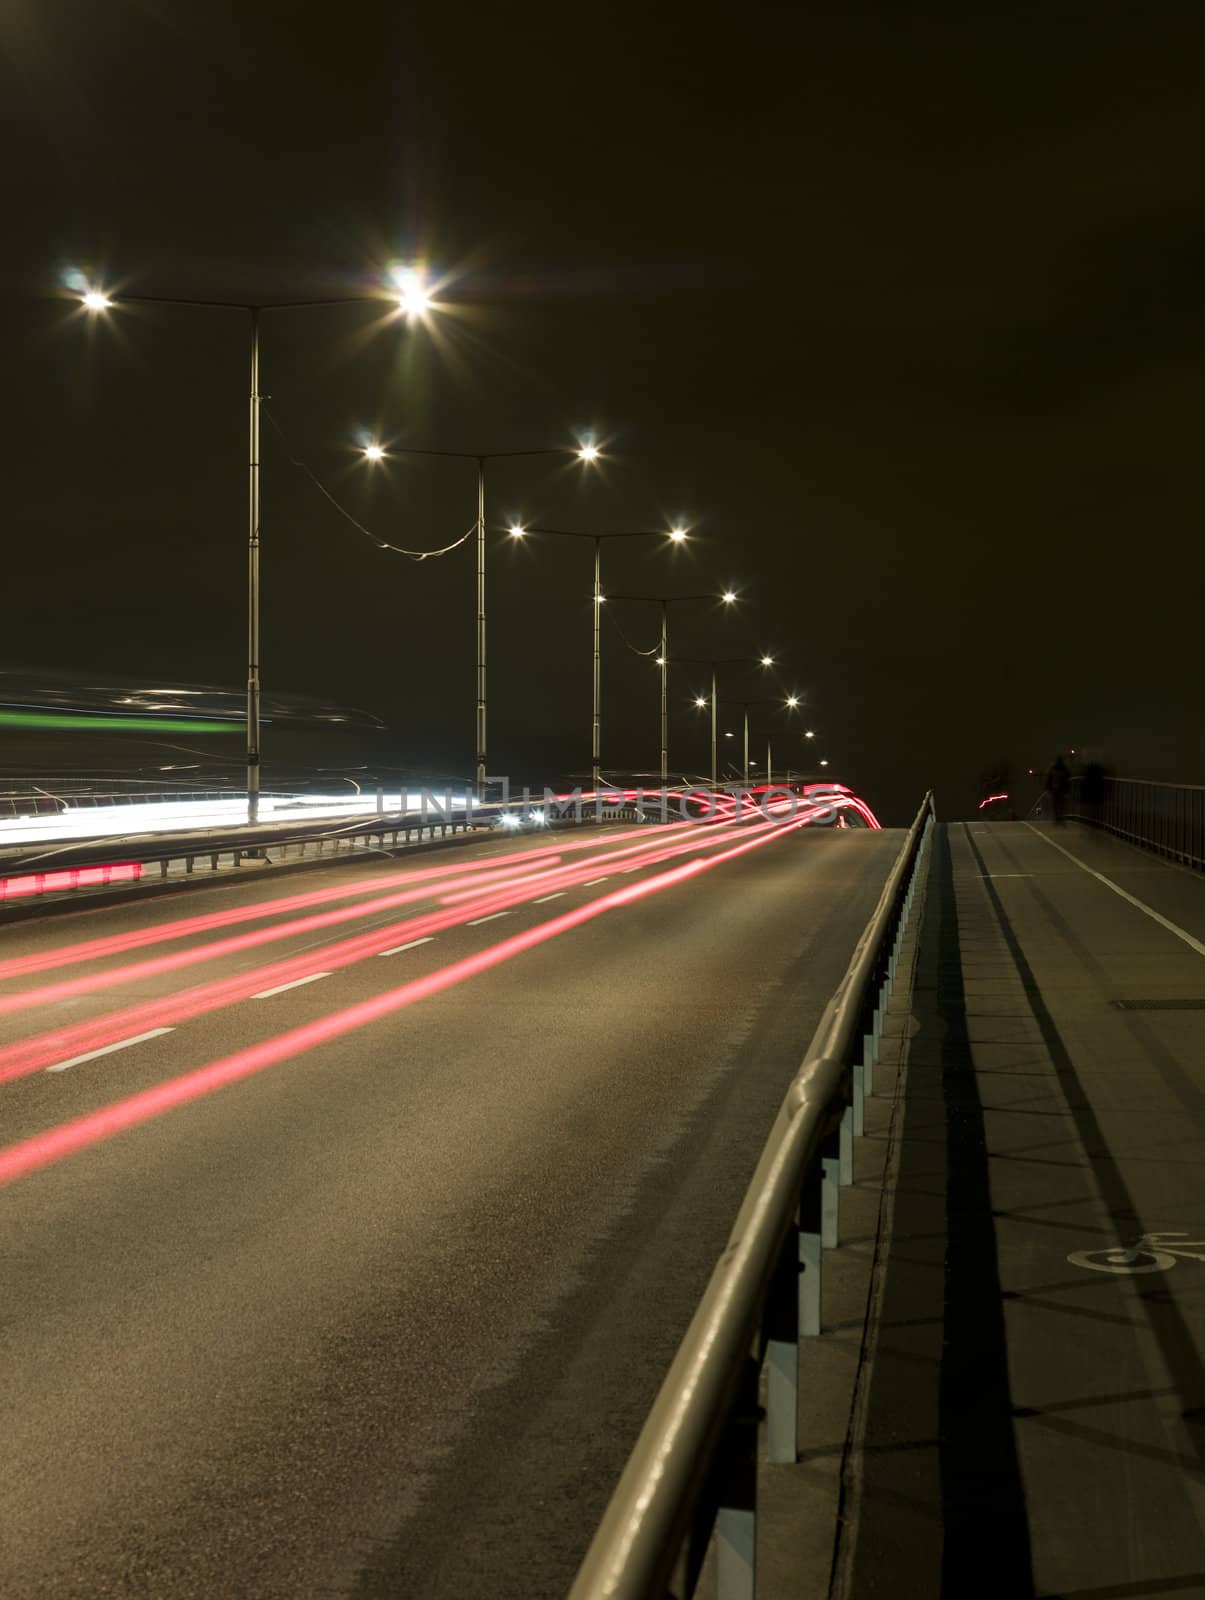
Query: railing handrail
x: 638, y: 1538
x: 101, y: 849
x: 1150, y: 783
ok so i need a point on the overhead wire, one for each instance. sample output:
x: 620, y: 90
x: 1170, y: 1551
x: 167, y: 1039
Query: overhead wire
x: 381, y: 544
x: 635, y: 649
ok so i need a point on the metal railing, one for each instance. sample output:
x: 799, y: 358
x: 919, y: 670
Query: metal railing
x: 388, y: 832
x: 1168, y: 818
x: 694, y: 1469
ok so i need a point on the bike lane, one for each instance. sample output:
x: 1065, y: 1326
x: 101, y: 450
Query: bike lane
x: 1034, y: 1399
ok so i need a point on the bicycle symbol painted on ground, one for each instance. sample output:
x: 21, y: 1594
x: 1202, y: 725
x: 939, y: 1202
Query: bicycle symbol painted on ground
x: 1154, y: 1252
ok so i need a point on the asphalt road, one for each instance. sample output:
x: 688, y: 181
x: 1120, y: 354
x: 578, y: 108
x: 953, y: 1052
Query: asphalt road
x: 380, y: 1312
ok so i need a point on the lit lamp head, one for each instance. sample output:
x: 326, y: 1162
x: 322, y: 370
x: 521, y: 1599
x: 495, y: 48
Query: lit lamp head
x: 701, y: 702
x: 809, y: 734
x: 411, y: 292
x: 677, y: 535
x: 767, y: 661
x: 95, y: 300
x: 373, y: 452
x: 728, y: 597
x: 588, y: 452
x: 516, y: 530
x: 792, y: 701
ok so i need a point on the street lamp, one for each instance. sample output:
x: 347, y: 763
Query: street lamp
x: 665, y: 601
x: 701, y: 701
x: 412, y: 294
x: 675, y: 535
x: 790, y: 703
x: 583, y: 452
x: 412, y: 299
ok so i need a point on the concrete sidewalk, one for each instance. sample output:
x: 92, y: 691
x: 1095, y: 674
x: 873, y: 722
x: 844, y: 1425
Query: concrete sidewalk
x: 1030, y: 1419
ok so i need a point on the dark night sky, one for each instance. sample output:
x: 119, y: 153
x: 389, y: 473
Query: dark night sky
x: 905, y: 315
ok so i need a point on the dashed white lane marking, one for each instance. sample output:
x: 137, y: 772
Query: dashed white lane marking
x: 590, y: 884
x: 1164, y: 922
x: 122, y: 1044
x: 626, y: 870
x: 545, y: 898
x: 266, y: 994
x: 493, y: 917
x: 413, y: 945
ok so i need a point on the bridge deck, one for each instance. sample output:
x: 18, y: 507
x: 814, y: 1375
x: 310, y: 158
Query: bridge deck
x: 1029, y: 1424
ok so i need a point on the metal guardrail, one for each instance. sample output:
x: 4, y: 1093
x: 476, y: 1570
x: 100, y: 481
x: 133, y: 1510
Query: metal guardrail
x: 300, y: 836
x: 1168, y: 818
x: 44, y: 803
x: 694, y: 1468
x: 53, y: 799
x: 379, y: 831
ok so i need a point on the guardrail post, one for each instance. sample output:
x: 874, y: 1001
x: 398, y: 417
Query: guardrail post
x: 869, y: 1062
x: 736, y: 1516
x: 858, y: 1105
x: 782, y: 1314
x: 845, y: 1162
x: 811, y: 1232
x: 830, y: 1193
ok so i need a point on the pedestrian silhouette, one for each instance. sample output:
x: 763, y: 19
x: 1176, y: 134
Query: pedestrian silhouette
x: 1058, y: 782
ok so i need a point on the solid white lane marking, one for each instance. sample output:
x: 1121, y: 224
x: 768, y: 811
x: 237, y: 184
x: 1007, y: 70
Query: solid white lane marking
x: 545, y: 898
x: 266, y: 994
x: 493, y: 917
x: 1155, y: 916
x: 413, y: 945
x: 94, y: 1055
x: 592, y: 882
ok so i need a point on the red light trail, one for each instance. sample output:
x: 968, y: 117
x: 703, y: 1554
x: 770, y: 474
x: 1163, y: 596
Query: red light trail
x: 153, y: 966
x: 43, y: 1149
x: 494, y: 892
x: 35, y: 1053
x: 69, y: 878
x: 118, y: 944
x: 477, y: 877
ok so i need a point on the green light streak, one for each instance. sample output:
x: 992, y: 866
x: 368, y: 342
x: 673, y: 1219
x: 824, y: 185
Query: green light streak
x: 76, y: 722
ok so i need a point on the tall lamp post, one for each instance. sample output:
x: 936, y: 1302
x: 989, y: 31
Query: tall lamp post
x: 665, y: 601
x: 674, y: 536
x: 377, y: 452
x: 703, y: 701
x: 790, y: 703
x: 412, y: 299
